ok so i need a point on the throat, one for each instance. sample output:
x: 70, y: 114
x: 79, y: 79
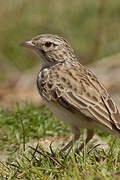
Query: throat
x: 47, y: 66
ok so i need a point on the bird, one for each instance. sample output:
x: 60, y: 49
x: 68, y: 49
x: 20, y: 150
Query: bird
x: 72, y: 91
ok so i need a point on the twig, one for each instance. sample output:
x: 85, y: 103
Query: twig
x: 93, y: 148
x: 47, y: 154
x: 37, y: 151
x: 4, y: 165
x: 33, y: 155
x: 51, y: 148
x: 23, y: 130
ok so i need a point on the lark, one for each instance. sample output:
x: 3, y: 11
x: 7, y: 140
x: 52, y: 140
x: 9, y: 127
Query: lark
x: 72, y: 91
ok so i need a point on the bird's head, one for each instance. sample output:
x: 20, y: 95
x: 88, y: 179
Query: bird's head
x: 51, y: 48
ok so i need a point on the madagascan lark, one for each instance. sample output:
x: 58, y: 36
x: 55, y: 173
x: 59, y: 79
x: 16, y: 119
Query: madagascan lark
x: 72, y: 91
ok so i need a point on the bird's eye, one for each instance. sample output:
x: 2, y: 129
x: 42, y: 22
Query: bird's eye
x: 48, y: 44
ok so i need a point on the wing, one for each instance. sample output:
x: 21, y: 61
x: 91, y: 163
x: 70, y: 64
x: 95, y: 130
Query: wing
x: 76, y: 88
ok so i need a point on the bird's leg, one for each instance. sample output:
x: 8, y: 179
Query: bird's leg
x: 89, y: 137
x: 76, y: 137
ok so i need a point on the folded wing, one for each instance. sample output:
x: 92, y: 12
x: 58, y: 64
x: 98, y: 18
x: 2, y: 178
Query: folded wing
x: 84, y: 93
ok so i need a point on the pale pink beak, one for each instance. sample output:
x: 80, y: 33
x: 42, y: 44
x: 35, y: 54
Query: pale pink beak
x: 28, y: 44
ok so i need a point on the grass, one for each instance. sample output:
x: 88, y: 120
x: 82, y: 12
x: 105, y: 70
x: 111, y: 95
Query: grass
x: 37, y: 122
x: 37, y: 162
x: 81, y: 25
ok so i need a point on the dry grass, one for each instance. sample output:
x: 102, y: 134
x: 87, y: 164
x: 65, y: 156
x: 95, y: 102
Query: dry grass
x: 92, y: 27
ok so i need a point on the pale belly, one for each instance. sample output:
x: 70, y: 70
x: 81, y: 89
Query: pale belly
x: 76, y: 120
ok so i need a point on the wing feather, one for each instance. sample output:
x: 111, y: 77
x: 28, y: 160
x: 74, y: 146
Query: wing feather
x: 82, y: 91
x: 95, y: 111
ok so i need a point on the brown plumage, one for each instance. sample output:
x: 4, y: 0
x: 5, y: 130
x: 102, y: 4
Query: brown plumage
x: 72, y: 91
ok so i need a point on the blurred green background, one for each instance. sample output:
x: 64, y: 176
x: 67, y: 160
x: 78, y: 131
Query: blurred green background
x: 92, y: 27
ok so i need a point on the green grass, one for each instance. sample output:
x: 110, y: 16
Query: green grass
x: 37, y: 122
x: 21, y: 20
x: 37, y: 163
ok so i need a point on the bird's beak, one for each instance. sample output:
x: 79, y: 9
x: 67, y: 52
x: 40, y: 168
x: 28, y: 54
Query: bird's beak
x: 28, y: 44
